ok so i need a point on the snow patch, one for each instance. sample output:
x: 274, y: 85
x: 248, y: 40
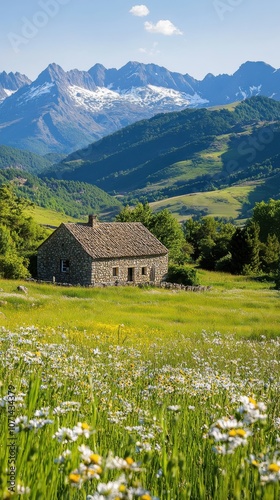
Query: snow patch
x: 149, y: 96
x: 242, y: 92
x: 36, y: 92
x: 152, y: 95
x: 9, y: 92
x: 93, y: 100
x: 255, y: 90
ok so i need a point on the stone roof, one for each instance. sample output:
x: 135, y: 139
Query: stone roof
x: 116, y: 239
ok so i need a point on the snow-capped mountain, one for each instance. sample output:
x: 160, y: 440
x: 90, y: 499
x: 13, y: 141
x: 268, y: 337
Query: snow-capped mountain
x: 10, y: 83
x: 62, y: 111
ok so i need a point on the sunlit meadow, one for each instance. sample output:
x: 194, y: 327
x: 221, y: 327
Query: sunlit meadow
x: 145, y: 394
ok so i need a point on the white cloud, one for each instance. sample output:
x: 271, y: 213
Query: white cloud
x: 139, y: 10
x: 163, y: 27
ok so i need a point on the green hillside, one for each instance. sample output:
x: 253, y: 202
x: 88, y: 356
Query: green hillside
x: 180, y: 153
x: 24, y: 160
x: 233, y: 202
x: 226, y: 203
x: 74, y: 199
x: 49, y: 218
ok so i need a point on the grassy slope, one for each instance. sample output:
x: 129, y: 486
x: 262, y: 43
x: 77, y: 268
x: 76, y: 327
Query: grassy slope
x: 235, y: 304
x: 226, y: 203
x: 50, y: 218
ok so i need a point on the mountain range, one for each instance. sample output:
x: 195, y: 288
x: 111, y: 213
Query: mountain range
x: 180, y: 153
x: 226, y: 157
x: 62, y: 111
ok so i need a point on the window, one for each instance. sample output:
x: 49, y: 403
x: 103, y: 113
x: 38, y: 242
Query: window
x: 144, y: 271
x: 64, y: 266
x: 115, y: 272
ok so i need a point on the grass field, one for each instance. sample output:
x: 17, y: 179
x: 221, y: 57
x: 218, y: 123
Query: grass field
x: 226, y: 203
x: 47, y: 217
x: 237, y: 305
x: 128, y: 393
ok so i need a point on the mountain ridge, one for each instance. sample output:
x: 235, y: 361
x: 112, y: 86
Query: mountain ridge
x: 62, y: 111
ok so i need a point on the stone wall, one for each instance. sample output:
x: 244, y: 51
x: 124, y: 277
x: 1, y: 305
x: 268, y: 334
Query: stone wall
x: 145, y: 270
x: 83, y: 270
x: 61, y: 245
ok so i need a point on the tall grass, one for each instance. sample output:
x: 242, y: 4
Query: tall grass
x: 127, y: 393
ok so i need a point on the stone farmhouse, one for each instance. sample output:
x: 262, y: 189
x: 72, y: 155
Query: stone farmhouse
x: 97, y: 253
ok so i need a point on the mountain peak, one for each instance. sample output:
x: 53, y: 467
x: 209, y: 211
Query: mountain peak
x: 98, y: 74
x: 255, y: 67
x: 52, y: 73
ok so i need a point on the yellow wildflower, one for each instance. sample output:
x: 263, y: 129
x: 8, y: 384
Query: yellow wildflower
x: 240, y: 432
x: 274, y: 468
x: 95, y: 459
x: 96, y: 470
x: 253, y: 401
x: 129, y: 460
x: 74, y: 478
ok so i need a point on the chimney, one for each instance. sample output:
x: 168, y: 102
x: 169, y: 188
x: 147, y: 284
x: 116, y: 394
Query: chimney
x: 92, y: 220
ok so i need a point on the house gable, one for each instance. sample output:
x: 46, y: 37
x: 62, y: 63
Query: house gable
x: 58, y: 250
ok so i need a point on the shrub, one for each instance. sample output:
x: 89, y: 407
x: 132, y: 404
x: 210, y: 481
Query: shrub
x: 182, y: 274
x: 12, y: 266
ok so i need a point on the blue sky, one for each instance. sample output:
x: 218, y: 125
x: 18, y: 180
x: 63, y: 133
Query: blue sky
x: 188, y: 36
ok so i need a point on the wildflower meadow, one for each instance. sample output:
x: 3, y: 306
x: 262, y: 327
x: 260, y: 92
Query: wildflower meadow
x: 125, y: 411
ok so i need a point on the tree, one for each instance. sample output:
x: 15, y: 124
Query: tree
x: 267, y: 216
x: 163, y: 226
x: 210, y: 239
x: 244, y: 248
x: 19, y: 234
x: 168, y: 230
x: 141, y: 213
x: 270, y: 254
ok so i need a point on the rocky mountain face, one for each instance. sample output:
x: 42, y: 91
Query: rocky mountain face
x: 63, y: 111
x: 10, y: 83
